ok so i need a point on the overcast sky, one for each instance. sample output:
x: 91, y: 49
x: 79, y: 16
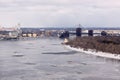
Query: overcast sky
x: 60, y: 13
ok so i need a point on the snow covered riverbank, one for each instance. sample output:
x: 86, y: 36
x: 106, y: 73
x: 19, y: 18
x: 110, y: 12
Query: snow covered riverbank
x: 97, y: 53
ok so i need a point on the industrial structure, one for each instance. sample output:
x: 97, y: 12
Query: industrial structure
x: 10, y: 33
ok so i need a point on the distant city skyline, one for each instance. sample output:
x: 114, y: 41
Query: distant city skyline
x: 60, y: 13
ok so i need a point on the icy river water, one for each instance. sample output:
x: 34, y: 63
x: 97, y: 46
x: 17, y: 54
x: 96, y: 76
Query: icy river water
x: 47, y: 59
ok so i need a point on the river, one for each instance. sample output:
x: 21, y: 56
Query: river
x: 47, y: 59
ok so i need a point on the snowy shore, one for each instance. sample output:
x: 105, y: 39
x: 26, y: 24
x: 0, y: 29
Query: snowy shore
x: 97, y: 53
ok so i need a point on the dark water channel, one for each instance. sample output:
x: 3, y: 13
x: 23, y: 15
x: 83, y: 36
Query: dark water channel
x: 47, y: 59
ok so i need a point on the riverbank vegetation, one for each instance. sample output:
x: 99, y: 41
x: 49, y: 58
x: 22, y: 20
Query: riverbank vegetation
x: 110, y: 44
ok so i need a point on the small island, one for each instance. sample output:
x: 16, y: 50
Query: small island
x: 102, y: 44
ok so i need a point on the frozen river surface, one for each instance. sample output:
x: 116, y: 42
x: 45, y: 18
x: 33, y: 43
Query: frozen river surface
x: 47, y: 59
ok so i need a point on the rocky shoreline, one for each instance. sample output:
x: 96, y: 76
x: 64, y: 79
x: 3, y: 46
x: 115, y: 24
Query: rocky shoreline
x: 107, y: 44
x: 93, y: 52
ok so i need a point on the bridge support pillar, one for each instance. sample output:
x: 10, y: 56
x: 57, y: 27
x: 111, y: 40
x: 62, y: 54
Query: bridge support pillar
x: 90, y: 32
x: 78, y: 32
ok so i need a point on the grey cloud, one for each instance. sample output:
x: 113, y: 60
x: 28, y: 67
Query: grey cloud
x: 60, y: 12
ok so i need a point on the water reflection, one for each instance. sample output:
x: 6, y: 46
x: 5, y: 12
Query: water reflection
x: 61, y: 53
x: 29, y: 63
x: 107, y: 59
x: 18, y: 55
